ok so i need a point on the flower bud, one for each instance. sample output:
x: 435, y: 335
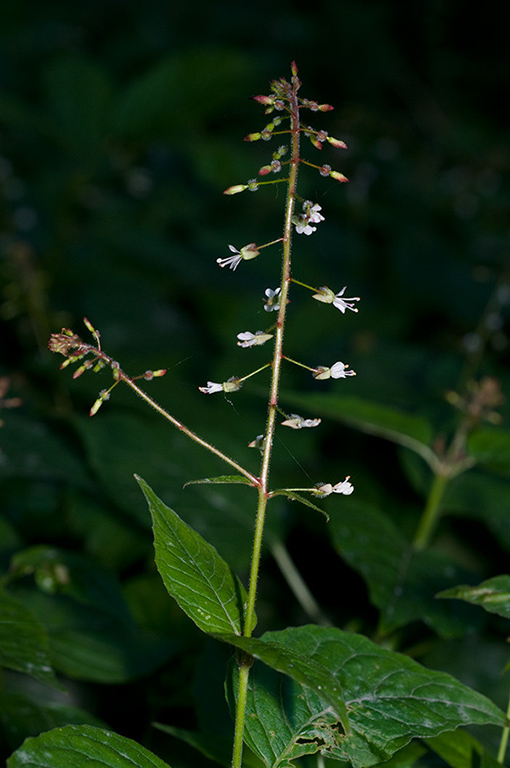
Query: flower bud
x: 325, y: 107
x: 338, y: 176
x: 265, y: 100
x: 336, y: 142
x: 235, y: 189
x: 325, y: 295
x: 265, y: 170
x: 253, y: 136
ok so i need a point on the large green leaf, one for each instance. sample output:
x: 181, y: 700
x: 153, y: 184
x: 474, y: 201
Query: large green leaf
x: 82, y: 746
x: 390, y: 699
x: 22, y: 715
x: 402, y: 582
x: 493, y: 595
x: 298, y: 666
x: 23, y: 641
x: 193, y: 572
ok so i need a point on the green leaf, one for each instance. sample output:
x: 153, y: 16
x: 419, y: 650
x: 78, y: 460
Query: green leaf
x: 82, y: 746
x: 405, y: 429
x: 299, y: 667
x: 221, y: 480
x: 459, y: 748
x: 194, y: 573
x: 59, y: 572
x: 484, y: 497
x: 402, y: 582
x: 491, y: 449
x: 302, y: 500
x: 90, y: 643
x: 390, y: 699
x: 22, y: 716
x: 23, y: 641
x: 493, y: 595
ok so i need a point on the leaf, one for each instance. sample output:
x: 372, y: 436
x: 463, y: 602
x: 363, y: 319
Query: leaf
x: 194, y: 573
x: 491, y: 449
x: 221, y: 480
x: 459, y: 749
x: 493, y: 595
x: 299, y: 667
x: 402, y: 582
x: 302, y: 500
x: 390, y: 699
x: 483, y: 497
x: 405, y: 429
x: 59, y: 572
x: 23, y: 641
x: 82, y: 746
x: 22, y: 716
x: 94, y: 644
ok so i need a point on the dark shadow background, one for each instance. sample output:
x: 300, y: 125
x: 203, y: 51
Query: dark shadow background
x: 120, y: 125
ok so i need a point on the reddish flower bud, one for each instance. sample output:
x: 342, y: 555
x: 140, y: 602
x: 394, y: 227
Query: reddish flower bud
x: 338, y: 176
x: 252, y: 137
x: 337, y: 143
x: 266, y: 100
x: 265, y: 170
x: 325, y: 107
x: 235, y: 189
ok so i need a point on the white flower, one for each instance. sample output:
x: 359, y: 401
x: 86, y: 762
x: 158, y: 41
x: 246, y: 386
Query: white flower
x: 259, y: 442
x: 212, y: 386
x: 309, y: 216
x: 345, y: 487
x: 343, y: 304
x: 327, y: 296
x: 248, y: 339
x: 337, y: 371
x: 325, y: 489
x: 273, y: 300
x: 231, y: 385
x: 314, y: 215
x: 297, y: 422
x: 304, y: 228
x: 246, y: 253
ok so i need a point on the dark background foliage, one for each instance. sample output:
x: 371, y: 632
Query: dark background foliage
x: 120, y: 125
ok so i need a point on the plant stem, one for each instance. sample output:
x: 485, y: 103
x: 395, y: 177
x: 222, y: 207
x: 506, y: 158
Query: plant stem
x: 182, y: 428
x: 504, y: 738
x: 271, y: 420
x: 431, y: 512
x: 299, y: 588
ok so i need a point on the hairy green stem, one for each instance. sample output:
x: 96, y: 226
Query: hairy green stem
x: 270, y: 423
x: 254, y: 480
